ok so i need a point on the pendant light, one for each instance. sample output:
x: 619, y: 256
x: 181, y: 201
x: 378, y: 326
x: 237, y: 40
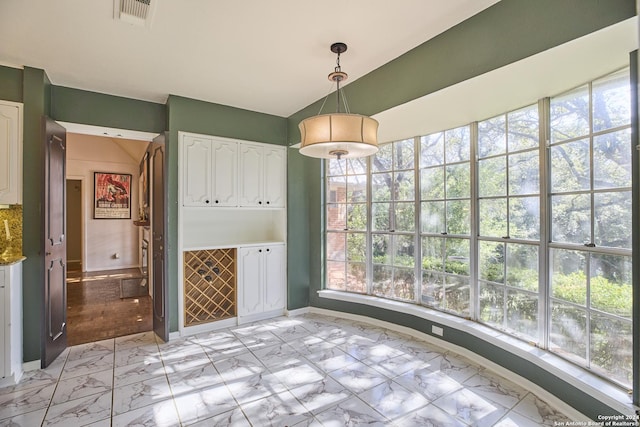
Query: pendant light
x: 338, y: 135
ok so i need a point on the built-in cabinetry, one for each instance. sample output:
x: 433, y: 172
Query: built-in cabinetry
x: 261, y: 279
x: 233, y: 198
x: 10, y: 153
x: 11, y: 322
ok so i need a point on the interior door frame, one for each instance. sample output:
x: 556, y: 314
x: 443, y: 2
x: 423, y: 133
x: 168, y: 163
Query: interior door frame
x: 83, y: 208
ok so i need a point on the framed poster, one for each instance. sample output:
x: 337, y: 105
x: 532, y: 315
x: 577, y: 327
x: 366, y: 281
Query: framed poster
x: 112, y: 195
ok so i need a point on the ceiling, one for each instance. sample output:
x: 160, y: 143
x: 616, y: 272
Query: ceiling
x: 267, y: 56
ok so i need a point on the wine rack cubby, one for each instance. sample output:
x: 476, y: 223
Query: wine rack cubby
x: 209, y: 285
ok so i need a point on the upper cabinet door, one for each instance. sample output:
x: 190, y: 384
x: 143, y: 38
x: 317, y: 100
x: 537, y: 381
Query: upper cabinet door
x: 251, y: 175
x: 225, y: 172
x: 275, y: 177
x: 197, y: 173
x: 10, y: 153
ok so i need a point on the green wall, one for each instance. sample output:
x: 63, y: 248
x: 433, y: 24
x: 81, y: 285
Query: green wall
x: 10, y: 84
x: 97, y: 109
x: 189, y: 115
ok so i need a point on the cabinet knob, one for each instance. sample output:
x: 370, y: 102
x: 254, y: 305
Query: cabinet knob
x: 268, y: 250
x: 259, y: 203
x: 268, y: 202
x: 259, y: 250
x: 206, y: 201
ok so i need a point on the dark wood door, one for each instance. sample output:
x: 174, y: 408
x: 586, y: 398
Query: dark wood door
x: 54, y: 322
x: 157, y: 154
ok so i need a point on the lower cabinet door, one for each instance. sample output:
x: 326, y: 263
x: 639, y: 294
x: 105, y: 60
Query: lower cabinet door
x: 275, y: 285
x: 250, y: 281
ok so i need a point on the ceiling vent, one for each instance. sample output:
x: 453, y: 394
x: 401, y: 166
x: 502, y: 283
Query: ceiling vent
x: 134, y: 12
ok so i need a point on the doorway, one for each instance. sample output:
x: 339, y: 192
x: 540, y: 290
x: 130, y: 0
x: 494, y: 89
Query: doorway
x: 107, y: 293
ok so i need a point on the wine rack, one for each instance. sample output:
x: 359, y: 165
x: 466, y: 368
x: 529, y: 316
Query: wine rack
x: 209, y: 286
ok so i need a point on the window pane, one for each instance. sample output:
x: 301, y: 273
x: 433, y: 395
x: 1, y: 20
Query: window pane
x: 492, y: 177
x: 571, y: 218
x: 457, y: 144
x: 404, y: 280
x: 338, y: 186
x: 612, y: 215
x: 403, y: 154
x: 610, y: 285
x: 382, y: 276
x: 356, y: 247
x: 336, y: 245
x: 357, y: 166
x: 570, y: 169
x: 522, y: 266
x: 432, y: 149
x: 404, y: 251
x: 568, y: 334
x: 381, y: 249
x: 405, y: 217
x: 432, y: 289
x: 337, y: 167
x: 524, y: 218
x: 492, y: 261
x: 404, y: 186
x: 493, y: 217
x: 492, y: 304
x: 457, y: 294
x: 381, y: 214
x: 611, y: 347
x: 612, y: 160
x: 524, y: 173
x: 570, y: 115
x: 381, y: 187
x: 432, y: 183
x: 432, y: 218
x: 522, y: 313
x: 458, y: 181
x: 523, y: 129
x: 611, y: 101
x: 336, y: 217
x: 357, y: 217
x: 457, y: 256
x: 357, y: 188
x: 356, y: 277
x: 433, y: 253
x: 336, y: 275
x: 568, y: 276
x: 491, y: 137
x: 382, y: 161
x: 458, y: 219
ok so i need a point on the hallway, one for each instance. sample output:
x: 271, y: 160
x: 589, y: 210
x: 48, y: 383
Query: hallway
x: 107, y: 304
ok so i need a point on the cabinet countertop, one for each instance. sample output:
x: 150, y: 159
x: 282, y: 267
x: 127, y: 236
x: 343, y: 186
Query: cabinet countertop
x: 11, y: 259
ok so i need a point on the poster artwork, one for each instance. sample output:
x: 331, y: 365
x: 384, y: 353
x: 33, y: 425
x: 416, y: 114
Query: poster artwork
x: 112, y: 196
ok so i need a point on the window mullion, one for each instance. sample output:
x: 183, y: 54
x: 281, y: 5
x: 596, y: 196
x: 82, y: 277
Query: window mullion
x: 544, y: 277
x: 368, y: 236
x: 474, y: 285
x: 417, y: 215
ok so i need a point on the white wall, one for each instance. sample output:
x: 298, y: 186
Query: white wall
x: 103, y: 238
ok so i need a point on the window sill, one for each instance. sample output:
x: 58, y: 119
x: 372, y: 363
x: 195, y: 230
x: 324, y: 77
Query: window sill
x: 604, y: 391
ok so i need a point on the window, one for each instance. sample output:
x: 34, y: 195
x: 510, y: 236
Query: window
x: 445, y: 200
x: 521, y: 221
x: 393, y: 220
x: 509, y: 221
x: 590, y: 198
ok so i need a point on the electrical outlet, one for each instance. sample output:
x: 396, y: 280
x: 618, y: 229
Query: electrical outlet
x: 437, y: 330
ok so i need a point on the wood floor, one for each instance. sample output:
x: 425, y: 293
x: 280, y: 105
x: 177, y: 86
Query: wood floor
x: 96, y: 311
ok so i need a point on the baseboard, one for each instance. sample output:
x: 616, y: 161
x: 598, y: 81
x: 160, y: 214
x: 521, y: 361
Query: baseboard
x: 297, y: 312
x: 31, y: 366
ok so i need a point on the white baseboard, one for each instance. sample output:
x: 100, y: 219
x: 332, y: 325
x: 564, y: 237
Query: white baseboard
x: 297, y: 312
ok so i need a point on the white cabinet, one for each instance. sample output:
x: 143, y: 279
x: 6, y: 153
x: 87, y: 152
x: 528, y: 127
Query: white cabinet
x: 262, y: 175
x: 11, y: 322
x: 261, y: 281
x: 209, y: 172
x: 10, y: 153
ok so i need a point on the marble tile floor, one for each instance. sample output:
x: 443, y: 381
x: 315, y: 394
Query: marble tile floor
x: 308, y: 370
